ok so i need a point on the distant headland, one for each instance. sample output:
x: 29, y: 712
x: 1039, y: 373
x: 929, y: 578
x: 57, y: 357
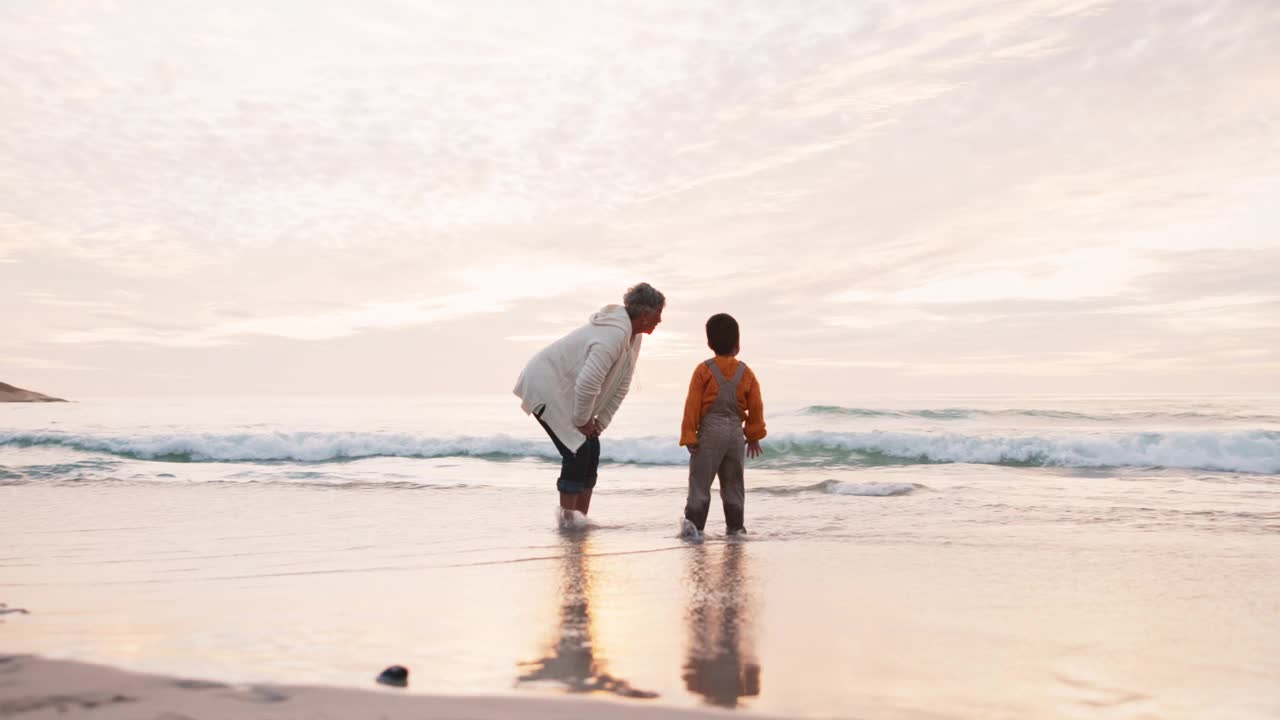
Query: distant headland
x: 9, y: 393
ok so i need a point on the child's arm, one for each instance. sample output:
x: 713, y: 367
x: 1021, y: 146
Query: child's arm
x: 693, y: 410
x: 754, y: 428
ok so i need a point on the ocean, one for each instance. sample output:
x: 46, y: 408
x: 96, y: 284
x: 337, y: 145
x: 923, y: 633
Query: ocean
x: 992, y: 557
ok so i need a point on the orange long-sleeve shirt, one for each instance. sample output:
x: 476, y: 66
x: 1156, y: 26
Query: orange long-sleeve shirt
x: 703, y: 390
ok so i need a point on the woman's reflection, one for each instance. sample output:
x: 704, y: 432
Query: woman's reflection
x: 721, y: 664
x: 569, y: 659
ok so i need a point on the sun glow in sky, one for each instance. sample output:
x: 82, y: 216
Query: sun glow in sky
x: 937, y: 196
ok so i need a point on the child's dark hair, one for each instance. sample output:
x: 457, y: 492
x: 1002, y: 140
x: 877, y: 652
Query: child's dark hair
x: 722, y: 333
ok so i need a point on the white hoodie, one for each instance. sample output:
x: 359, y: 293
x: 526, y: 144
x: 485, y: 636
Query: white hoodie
x: 583, y: 375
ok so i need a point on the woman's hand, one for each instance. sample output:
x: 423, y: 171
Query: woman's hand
x: 753, y: 449
x: 591, y: 429
x: 693, y: 449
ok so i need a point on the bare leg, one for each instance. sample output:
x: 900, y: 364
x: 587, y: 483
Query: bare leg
x: 569, y: 501
x: 584, y: 501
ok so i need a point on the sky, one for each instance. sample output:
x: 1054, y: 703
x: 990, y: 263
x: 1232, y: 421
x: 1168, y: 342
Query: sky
x: 901, y: 197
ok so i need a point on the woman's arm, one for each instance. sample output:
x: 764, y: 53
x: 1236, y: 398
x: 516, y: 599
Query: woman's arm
x: 605, y: 416
x: 601, y: 356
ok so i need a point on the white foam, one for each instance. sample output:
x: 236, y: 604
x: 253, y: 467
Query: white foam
x: 689, y: 531
x: 1252, y: 451
x: 295, y: 446
x: 571, y: 519
x: 869, y: 489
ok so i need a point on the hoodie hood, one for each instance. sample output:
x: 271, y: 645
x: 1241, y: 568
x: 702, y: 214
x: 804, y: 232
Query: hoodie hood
x: 613, y: 316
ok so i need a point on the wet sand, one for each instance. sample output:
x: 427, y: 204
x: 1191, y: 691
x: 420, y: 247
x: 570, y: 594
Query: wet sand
x: 899, y: 608
x: 33, y: 688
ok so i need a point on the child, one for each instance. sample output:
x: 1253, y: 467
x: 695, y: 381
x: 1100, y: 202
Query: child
x: 723, y: 394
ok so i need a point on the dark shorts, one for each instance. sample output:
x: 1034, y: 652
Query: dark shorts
x: 577, y: 469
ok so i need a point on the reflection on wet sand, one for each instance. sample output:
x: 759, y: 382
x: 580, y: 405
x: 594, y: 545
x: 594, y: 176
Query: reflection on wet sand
x: 570, y: 660
x: 721, y: 665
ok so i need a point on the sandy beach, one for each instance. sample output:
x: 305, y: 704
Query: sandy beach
x: 33, y: 688
x: 253, y: 546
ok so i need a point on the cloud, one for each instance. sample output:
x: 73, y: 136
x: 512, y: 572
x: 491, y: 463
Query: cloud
x: 487, y: 289
x: 45, y: 363
x: 140, y: 250
x: 1066, y: 276
x: 52, y: 300
x: 927, y: 184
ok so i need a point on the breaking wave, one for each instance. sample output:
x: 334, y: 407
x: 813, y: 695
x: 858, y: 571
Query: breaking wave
x: 961, y: 413
x: 1249, y: 451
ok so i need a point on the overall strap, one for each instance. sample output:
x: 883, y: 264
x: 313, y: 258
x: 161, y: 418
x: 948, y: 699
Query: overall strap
x: 719, y: 376
x: 726, y: 402
x: 715, y: 372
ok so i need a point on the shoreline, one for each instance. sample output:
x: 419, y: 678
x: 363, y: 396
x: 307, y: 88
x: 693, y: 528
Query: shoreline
x: 36, y: 687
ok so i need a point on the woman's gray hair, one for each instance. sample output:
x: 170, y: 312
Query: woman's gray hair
x: 643, y: 298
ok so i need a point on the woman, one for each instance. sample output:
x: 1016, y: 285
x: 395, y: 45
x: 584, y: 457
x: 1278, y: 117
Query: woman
x: 575, y: 385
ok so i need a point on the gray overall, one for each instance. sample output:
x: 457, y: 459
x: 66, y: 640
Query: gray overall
x: 721, y: 451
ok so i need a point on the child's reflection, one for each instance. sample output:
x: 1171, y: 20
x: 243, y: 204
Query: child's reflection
x: 721, y: 665
x: 569, y: 660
